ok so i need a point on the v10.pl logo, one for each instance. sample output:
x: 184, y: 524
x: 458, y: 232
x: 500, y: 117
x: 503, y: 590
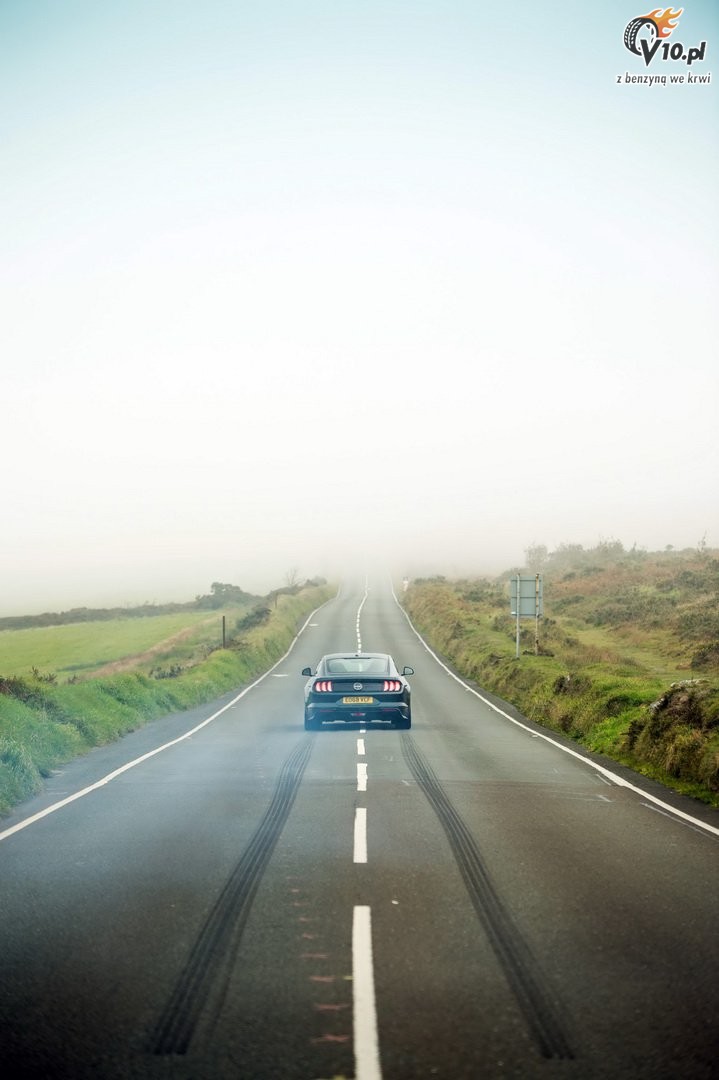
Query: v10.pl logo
x: 647, y: 36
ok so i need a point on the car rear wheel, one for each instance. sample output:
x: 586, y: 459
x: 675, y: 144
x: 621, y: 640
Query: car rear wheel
x: 312, y: 724
x: 404, y: 724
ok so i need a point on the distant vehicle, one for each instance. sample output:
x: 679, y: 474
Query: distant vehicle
x: 357, y: 688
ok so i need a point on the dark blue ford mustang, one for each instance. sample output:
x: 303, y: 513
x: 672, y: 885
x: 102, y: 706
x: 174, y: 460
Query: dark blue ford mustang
x: 357, y: 688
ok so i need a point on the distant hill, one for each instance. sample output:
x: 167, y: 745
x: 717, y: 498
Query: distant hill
x: 220, y: 595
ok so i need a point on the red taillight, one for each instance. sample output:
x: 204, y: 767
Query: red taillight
x: 324, y: 686
x: 392, y: 685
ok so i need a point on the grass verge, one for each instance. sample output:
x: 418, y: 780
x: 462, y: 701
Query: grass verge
x: 44, y: 724
x: 613, y: 701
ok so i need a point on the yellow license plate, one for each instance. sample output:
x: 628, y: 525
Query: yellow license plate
x: 357, y: 700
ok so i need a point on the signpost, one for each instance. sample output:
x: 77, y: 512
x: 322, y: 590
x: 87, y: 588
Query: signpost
x: 527, y: 601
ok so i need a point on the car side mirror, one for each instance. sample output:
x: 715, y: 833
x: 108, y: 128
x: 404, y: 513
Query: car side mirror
x: 306, y: 670
x: 408, y: 671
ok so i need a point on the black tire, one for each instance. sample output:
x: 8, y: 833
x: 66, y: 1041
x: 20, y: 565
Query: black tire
x: 311, y: 724
x: 404, y: 724
x: 632, y: 32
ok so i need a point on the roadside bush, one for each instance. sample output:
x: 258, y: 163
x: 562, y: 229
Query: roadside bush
x: 678, y: 733
x: 22, y: 690
x: 257, y: 617
x: 19, y: 777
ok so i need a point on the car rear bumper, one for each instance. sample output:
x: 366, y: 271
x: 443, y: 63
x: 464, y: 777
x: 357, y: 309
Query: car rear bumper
x: 334, y: 713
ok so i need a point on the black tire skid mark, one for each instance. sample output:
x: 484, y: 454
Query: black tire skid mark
x: 537, y: 1002
x: 203, y: 982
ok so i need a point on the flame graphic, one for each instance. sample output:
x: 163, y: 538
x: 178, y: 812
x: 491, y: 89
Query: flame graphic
x: 664, y: 18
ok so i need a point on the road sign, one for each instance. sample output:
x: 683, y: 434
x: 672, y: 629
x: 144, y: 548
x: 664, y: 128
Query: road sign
x: 531, y: 600
x: 527, y: 601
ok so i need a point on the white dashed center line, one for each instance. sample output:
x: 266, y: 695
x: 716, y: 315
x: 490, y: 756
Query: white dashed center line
x: 366, y: 1044
x: 360, y: 846
x: 357, y: 623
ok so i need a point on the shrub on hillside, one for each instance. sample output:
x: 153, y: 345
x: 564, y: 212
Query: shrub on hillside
x: 707, y: 657
x: 679, y: 732
x: 22, y: 689
x: 700, y: 622
x: 257, y: 617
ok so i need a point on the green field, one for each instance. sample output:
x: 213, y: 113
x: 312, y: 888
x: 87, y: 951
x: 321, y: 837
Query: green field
x: 80, y: 649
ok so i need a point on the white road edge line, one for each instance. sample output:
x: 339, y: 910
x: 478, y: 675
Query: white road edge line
x: 158, y: 749
x: 360, y: 835
x: 656, y: 810
x: 361, y: 776
x: 600, y: 769
x: 366, y: 1045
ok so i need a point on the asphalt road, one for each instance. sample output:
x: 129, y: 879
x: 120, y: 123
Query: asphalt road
x: 465, y: 900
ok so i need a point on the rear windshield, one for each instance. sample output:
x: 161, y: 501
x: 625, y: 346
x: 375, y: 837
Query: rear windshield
x: 356, y: 665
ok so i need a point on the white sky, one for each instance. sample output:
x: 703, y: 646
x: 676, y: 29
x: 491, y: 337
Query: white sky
x: 286, y: 283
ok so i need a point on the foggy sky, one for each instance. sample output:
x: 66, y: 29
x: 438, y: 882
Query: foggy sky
x: 290, y: 286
